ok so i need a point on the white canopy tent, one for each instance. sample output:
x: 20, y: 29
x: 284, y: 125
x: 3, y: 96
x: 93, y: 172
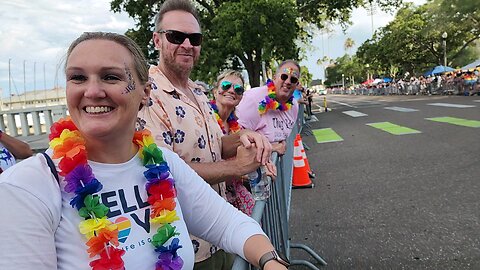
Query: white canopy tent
x: 471, y: 65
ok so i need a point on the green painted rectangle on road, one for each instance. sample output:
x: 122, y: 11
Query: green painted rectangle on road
x: 456, y: 121
x: 393, y: 129
x: 325, y: 135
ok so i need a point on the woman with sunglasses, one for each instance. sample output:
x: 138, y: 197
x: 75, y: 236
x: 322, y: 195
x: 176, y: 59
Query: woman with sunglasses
x: 271, y: 109
x: 228, y: 92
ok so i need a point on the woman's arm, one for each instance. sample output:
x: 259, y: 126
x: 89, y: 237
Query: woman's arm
x: 255, y: 247
x: 30, y: 212
x: 27, y: 239
x: 210, y: 217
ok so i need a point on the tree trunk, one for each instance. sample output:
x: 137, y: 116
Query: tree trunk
x: 255, y: 75
x: 253, y: 65
x: 248, y: 64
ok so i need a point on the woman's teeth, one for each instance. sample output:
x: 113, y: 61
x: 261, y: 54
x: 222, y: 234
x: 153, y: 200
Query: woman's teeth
x: 101, y: 109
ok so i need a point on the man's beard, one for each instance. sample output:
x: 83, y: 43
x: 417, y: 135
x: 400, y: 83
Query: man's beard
x: 179, y: 69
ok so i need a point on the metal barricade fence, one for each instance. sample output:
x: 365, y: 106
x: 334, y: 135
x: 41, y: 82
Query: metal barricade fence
x: 273, y: 214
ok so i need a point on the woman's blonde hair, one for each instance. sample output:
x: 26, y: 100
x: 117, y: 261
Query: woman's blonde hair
x: 141, y: 66
x: 229, y: 72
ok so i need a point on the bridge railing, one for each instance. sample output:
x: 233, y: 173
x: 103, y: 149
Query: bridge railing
x: 31, y: 121
x: 273, y: 213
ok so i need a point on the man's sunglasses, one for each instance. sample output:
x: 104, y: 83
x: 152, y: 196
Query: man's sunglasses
x: 237, y: 87
x: 284, y: 77
x: 177, y: 37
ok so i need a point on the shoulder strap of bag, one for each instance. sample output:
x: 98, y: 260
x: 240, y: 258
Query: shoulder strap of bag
x: 51, y: 165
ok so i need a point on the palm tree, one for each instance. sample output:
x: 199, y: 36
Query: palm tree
x: 324, y: 62
x: 349, y: 43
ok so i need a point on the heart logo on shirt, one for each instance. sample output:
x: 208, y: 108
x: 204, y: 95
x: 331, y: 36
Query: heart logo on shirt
x: 124, y: 227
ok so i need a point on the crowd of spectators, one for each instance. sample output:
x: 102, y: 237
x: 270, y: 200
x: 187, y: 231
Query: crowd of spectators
x: 451, y: 83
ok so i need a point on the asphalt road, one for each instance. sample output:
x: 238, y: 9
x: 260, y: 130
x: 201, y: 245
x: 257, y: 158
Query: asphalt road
x: 384, y: 201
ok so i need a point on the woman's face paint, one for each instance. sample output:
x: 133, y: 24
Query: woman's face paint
x: 131, y: 82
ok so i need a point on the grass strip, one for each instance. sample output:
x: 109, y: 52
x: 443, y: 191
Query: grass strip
x: 456, y: 121
x: 325, y: 135
x: 393, y: 129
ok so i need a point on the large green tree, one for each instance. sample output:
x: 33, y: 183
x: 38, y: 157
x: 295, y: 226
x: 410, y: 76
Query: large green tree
x: 463, y: 17
x: 350, y: 67
x: 460, y: 11
x: 398, y: 43
x: 244, y: 33
x: 254, y: 37
x: 306, y: 77
x: 413, y: 43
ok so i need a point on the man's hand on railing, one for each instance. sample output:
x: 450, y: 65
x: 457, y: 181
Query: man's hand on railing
x: 279, y: 147
x: 271, y: 170
x: 247, y: 138
x: 245, y: 160
x: 263, y: 146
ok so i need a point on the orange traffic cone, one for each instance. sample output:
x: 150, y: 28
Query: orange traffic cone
x: 300, y: 143
x: 300, y: 173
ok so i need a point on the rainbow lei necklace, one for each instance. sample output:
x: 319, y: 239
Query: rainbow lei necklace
x: 102, y: 235
x: 270, y: 103
x: 231, y: 120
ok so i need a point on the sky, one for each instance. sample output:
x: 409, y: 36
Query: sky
x: 35, y: 35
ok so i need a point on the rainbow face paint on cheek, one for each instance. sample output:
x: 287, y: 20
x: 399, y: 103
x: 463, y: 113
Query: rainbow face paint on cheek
x: 131, y: 83
x: 291, y: 71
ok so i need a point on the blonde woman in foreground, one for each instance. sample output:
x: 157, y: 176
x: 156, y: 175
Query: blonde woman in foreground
x: 121, y: 202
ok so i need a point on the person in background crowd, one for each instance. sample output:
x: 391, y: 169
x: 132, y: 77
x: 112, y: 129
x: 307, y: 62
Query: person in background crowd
x: 298, y: 93
x: 299, y: 96
x: 271, y: 109
x: 121, y: 202
x: 205, y: 89
x: 181, y: 119
x: 11, y: 149
x: 309, y: 98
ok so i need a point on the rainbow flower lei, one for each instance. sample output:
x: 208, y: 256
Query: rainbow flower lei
x: 102, y: 235
x: 231, y: 120
x: 270, y: 103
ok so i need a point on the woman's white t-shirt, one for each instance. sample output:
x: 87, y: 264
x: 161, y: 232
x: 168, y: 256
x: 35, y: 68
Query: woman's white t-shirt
x: 40, y: 229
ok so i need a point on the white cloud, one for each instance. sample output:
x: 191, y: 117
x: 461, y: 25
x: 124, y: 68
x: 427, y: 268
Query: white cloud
x: 39, y: 33
x: 360, y: 30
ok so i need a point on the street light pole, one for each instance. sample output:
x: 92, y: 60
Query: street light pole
x: 444, y: 38
x: 343, y: 82
x: 368, y: 73
x: 371, y: 11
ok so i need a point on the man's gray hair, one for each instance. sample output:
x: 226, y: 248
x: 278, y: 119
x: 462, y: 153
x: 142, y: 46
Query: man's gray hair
x: 171, y: 5
x: 289, y: 61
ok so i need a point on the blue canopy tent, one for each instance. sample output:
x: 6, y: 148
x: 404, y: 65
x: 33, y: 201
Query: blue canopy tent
x: 438, y: 70
x: 387, y: 79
